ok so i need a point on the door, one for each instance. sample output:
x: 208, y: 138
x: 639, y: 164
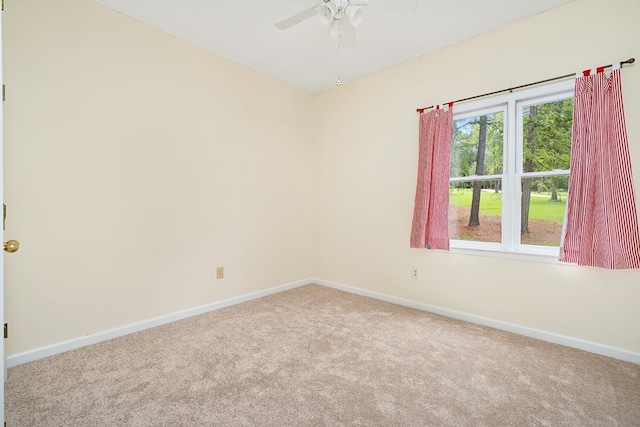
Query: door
x: 11, y: 245
x: 2, y: 355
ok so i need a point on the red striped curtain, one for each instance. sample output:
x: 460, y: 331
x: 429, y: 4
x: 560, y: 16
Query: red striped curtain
x: 602, y: 220
x: 430, y: 227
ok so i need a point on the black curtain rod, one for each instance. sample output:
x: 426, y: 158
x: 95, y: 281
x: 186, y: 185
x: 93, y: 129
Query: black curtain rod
x: 511, y: 89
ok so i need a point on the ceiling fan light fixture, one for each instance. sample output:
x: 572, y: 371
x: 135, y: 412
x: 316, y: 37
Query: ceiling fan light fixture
x: 355, y: 14
x: 325, y: 13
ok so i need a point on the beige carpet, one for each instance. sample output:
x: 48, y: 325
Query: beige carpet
x: 314, y: 356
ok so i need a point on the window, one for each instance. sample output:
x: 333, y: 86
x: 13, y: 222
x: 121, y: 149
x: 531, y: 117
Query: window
x: 510, y: 170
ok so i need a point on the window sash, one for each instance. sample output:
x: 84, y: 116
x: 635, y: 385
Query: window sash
x: 512, y: 105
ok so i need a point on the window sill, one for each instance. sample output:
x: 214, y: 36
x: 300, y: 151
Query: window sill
x: 498, y: 253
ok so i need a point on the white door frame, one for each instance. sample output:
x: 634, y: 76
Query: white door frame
x: 3, y: 363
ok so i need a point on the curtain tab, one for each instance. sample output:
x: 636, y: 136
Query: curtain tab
x: 600, y: 70
x: 586, y: 73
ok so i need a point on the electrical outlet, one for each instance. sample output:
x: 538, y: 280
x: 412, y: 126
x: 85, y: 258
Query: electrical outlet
x: 220, y: 273
x: 414, y: 272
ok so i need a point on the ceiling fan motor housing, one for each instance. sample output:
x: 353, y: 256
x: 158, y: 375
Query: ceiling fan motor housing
x: 332, y: 10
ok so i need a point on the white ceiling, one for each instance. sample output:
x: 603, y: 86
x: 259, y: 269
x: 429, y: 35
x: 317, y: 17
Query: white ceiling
x: 306, y: 56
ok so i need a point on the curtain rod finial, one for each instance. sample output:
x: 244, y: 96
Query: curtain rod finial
x: 630, y: 60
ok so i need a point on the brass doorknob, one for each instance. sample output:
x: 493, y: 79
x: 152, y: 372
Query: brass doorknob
x: 11, y: 246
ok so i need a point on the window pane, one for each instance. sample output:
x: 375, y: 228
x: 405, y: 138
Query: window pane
x: 475, y: 211
x: 477, y: 145
x: 546, y: 136
x: 543, y: 204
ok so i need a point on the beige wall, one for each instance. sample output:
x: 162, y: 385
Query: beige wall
x: 135, y: 164
x: 366, y: 172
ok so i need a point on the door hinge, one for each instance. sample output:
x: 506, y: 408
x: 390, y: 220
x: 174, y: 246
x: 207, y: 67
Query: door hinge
x: 6, y: 330
x: 3, y: 9
x: 3, y: 92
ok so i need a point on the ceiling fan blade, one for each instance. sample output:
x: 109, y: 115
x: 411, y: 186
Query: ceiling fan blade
x: 347, y: 33
x: 297, y: 18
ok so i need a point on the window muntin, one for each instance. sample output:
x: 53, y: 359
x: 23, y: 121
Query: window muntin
x: 529, y: 183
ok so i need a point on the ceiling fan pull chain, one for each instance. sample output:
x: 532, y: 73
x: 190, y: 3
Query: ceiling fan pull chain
x: 338, y: 80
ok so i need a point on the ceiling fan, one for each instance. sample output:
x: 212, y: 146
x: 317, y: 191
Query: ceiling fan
x: 342, y: 16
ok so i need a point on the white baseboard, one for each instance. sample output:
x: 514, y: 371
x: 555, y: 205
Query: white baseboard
x: 42, y: 352
x: 39, y: 353
x: 580, y: 344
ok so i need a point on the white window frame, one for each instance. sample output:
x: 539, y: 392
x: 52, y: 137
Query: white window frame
x: 511, y: 104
